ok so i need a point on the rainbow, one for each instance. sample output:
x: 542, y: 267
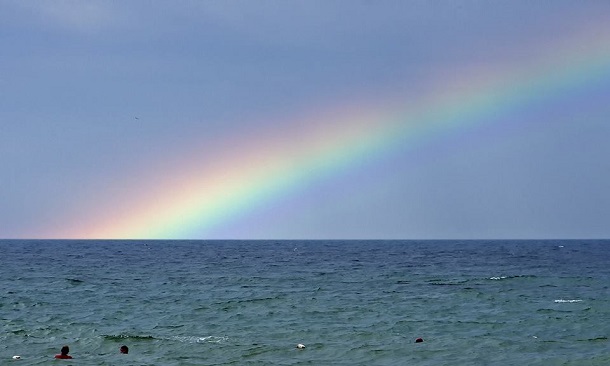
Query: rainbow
x: 191, y: 202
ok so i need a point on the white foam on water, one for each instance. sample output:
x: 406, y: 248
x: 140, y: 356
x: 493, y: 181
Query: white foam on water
x: 563, y: 301
x: 497, y: 278
x: 193, y: 339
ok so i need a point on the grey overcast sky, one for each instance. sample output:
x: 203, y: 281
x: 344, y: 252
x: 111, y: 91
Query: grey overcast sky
x: 305, y: 119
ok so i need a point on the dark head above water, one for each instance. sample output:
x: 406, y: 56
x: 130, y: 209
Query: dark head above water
x: 64, y: 353
x: 124, y: 349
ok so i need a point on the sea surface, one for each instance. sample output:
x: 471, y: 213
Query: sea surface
x: 349, y: 302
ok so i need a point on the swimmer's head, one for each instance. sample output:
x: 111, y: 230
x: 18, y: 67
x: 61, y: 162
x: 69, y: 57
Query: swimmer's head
x: 65, y: 350
x: 124, y: 349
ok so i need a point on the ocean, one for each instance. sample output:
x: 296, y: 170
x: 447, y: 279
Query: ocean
x: 349, y: 302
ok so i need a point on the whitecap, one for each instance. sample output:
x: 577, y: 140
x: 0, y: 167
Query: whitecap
x: 194, y: 339
x: 563, y: 301
x: 497, y: 278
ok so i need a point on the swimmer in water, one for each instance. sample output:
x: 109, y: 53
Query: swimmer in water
x: 64, y: 353
x: 124, y: 349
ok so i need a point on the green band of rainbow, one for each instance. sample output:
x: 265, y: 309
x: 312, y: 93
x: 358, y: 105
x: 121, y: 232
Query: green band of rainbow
x: 277, y: 166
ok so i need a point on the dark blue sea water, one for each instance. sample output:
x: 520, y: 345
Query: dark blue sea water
x: 348, y: 302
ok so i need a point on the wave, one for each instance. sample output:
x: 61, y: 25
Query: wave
x: 553, y: 311
x: 567, y: 301
x: 442, y: 282
x: 194, y: 339
x: 74, y: 281
x: 119, y: 337
x: 229, y: 303
x: 185, y: 339
x: 597, y: 339
x: 498, y: 278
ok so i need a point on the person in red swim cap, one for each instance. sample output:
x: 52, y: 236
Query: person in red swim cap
x: 64, y: 353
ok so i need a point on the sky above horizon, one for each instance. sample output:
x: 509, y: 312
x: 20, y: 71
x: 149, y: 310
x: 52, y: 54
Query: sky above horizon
x: 305, y: 119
